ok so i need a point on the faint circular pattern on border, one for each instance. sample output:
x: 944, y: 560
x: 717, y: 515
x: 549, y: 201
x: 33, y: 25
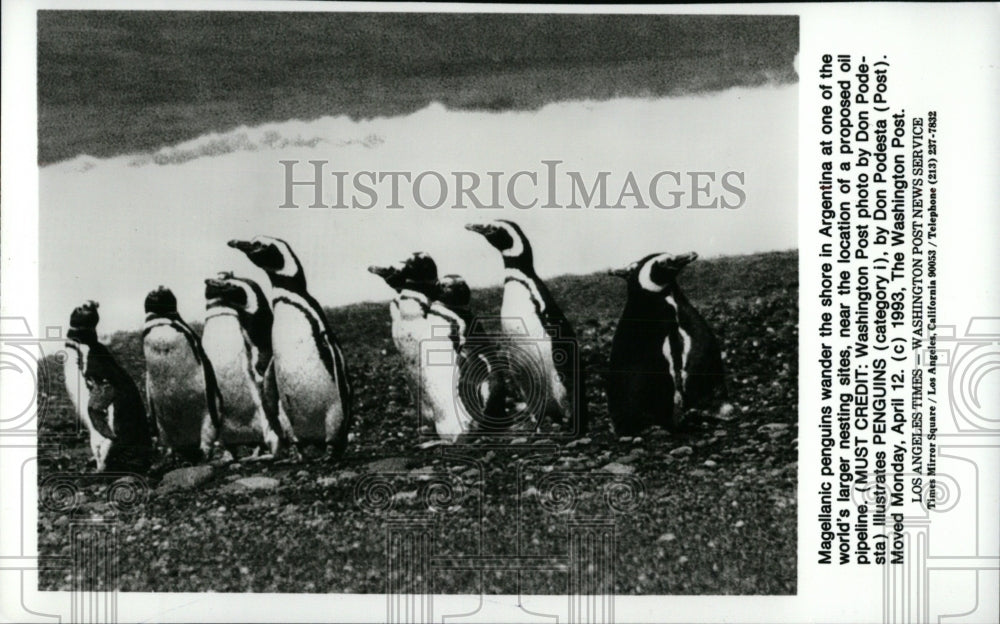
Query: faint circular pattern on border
x: 374, y: 494
x: 17, y: 374
x: 127, y: 494
x: 557, y: 494
x: 858, y: 495
x: 559, y: 355
x: 59, y: 493
x: 442, y: 494
x: 624, y: 495
x: 968, y: 372
x: 947, y: 493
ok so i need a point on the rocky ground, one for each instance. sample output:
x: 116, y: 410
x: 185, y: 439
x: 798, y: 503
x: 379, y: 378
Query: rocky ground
x: 711, y: 510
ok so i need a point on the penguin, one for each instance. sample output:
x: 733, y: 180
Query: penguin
x: 82, y: 335
x: 237, y: 341
x: 310, y: 373
x: 117, y: 412
x: 481, y: 386
x: 181, y: 389
x: 429, y: 338
x: 664, y: 356
x: 107, y: 401
x: 540, y: 343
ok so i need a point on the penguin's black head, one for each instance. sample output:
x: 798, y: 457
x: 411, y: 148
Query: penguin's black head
x: 161, y: 302
x: 271, y: 254
x: 506, y: 236
x: 85, y: 316
x: 420, y: 269
x: 454, y: 292
x: 655, y: 273
x: 224, y: 290
x: 419, y: 273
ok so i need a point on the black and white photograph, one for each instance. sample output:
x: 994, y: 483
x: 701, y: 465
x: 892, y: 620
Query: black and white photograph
x: 435, y: 312
x: 420, y: 303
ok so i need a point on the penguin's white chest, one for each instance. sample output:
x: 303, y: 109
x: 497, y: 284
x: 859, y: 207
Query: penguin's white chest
x: 409, y: 328
x: 76, y: 385
x: 519, y: 312
x: 529, y: 344
x: 176, y: 384
x: 226, y: 345
x: 307, y: 387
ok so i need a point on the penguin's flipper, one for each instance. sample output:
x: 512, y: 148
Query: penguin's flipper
x: 213, y: 395
x: 269, y: 399
x: 100, y: 419
x: 150, y: 408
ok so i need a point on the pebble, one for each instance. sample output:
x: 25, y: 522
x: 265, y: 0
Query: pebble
x: 681, y: 451
x: 773, y: 428
x: 185, y: 478
x: 666, y: 537
x: 618, y: 468
x: 578, y: 442
x: 519, y: 441
x: 257, y: 483
x: 710, y: 464
x: 405, y: 496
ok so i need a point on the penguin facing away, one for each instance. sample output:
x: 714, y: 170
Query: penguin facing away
x: 105, y: 397
x: 181, y: 389
x: 540, y: 342
x: 237, y: 340
x: 116, y: 409
x: 310, y: 374
x: 664, y: 356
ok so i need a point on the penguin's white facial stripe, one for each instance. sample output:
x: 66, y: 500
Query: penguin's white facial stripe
x: 289, y: 267
x: 252, y: 305
x: 517, y: 247
x: 645, y: 280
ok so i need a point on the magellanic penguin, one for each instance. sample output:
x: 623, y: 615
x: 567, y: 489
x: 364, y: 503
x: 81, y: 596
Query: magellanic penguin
x: 309, y: 368
x: 664, y: 356
x: 181, y: 389
x: 541, y: 346
x: 237, y: 340
x: 481, y: 385
x: 105, y: 397
x: 429, y: 342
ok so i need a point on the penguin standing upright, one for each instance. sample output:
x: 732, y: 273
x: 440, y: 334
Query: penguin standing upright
x: 181, y: 389
x: 480, y: 384
x: 540, y: 342
x: 309, y: 370
x: 422, y: 334
x: 105, y: 397
x: 82, y: 335
x: 664, y: 356
x: 237, y: 340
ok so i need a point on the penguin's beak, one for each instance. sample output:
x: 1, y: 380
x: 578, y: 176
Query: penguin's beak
x: 478, y: 228
x: 686, y: 259
x: 383, y: 272
x: 622, y: 272
x: 244, y: 246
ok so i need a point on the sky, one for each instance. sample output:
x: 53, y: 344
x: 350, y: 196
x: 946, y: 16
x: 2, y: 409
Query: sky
x: 112, y: 229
